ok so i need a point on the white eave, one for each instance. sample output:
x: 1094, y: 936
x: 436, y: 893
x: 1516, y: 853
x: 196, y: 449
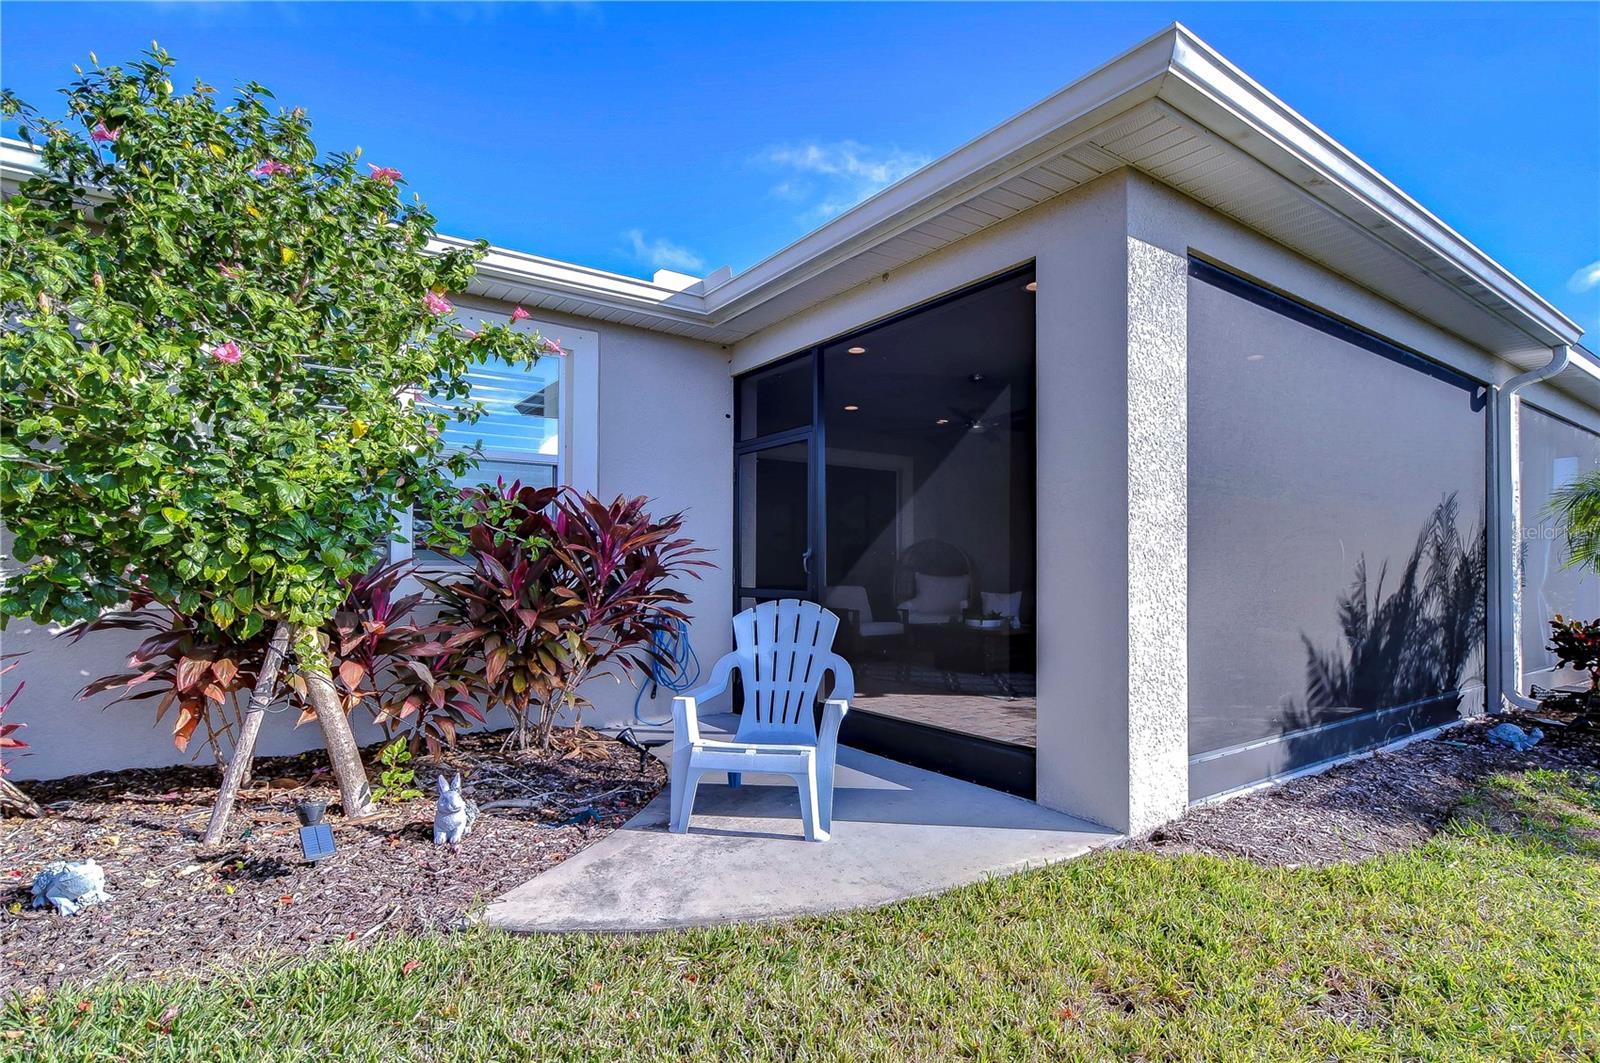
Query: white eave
x: 1171, y: 108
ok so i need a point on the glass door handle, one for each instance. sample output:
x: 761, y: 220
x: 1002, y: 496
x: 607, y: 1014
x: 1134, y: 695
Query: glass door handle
x: 805, y: 562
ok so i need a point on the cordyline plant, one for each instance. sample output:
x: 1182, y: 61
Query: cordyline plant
x: 390, y: 663
x: 1576, y: 643
x: 563, y: 587
x: 196, y: 670
x: 12, y: 800
x: 199, y: 672
x: 209, y: 335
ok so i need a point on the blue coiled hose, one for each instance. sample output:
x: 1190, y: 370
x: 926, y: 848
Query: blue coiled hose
x: 673, y: 667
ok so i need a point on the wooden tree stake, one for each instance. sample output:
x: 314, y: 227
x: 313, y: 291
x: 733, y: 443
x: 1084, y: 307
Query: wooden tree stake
x: 244, y: 749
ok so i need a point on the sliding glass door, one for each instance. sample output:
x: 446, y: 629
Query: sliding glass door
x: 776, y: 495
x: 889, y: 474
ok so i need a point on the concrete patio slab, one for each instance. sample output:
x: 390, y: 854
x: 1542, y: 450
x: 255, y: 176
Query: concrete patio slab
x: 898, y: 832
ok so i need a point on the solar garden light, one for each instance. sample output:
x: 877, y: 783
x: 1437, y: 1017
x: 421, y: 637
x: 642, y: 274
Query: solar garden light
x: 316, y: 837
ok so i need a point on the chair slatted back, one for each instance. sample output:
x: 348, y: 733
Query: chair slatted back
x: 781, y: 648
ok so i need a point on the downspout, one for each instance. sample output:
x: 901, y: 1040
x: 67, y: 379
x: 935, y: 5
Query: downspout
x: 1503, y: 679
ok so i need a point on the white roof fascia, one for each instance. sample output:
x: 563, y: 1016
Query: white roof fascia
x: 1221, y: 97
x: 539, y: 276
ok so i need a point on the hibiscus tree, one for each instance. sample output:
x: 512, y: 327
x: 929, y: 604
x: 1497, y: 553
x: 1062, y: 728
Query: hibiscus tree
x: 212, y: 339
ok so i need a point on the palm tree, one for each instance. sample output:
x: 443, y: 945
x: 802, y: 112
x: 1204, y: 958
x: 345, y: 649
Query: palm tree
x: 1577, y: 508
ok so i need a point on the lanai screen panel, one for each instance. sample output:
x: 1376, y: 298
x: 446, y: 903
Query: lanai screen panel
x: 1336, y: 537
x: 1553, y: 453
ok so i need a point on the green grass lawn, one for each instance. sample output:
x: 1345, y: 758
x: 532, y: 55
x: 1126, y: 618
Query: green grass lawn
x: 1485, y: 943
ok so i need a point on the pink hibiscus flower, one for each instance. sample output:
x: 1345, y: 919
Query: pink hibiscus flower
x: 226, y: 352
x: 387, y: 174
x: 519, y: 314
x: 553, y: 346
x: 436, y: 304
x: 229, y: 271
x: 272, y: 168
x: 102, y: 135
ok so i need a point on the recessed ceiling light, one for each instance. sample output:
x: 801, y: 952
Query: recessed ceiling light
x: 858, y: 350
x: 942, y: 420
x: 851, y: 409
x: 1031, y: 286
x: 976, y: 378
x: 1255, y: 357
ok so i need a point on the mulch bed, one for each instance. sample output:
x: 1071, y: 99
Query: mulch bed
x: 1384, y: 803
x: 180, y: 908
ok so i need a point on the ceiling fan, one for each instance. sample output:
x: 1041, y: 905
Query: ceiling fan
x: 974, y: 422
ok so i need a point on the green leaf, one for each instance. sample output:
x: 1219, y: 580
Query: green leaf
x: 223, y: 612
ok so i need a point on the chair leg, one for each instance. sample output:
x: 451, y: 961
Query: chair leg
x: 825, y: 794
x: 735, y: 778
x: 683, y: 801
x: 677, y: 781
x: 807, y: 784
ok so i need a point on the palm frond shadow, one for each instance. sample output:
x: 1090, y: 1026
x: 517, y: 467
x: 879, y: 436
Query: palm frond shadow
x: 1411, y: 645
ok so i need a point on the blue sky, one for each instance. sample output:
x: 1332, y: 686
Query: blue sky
x: 633, y: 136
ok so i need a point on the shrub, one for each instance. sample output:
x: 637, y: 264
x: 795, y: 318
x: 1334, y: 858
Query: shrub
x: 8, y: 730
x: 196, y: 669
x: 562, y: 588
x: 395, y: 775
x: 199, y: 669
x: 207, y: 329
x: 1577, y: 643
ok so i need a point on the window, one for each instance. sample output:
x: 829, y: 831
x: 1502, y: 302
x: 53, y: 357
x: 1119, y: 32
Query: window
x: 519, y: 433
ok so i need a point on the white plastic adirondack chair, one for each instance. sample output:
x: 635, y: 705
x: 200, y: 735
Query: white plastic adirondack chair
x: 782, y: 650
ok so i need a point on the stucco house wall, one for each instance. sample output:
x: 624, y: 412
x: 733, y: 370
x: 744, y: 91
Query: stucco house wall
x: 1113, y: 592
x: 649, y: 415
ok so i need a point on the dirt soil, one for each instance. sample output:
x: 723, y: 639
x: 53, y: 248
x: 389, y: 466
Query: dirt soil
x: 1389, y: 801
x: 179, y: 907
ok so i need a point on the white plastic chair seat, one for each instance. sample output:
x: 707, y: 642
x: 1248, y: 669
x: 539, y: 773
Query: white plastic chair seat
x: 782, y: 650
x: 755, y: 745
x: 774, y: 760
x: 871, y: 629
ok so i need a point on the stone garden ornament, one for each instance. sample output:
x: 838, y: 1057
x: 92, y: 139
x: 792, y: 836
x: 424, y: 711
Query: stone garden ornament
x: 455, y: 815
x: 70, y: 886
x: 1514, y: 737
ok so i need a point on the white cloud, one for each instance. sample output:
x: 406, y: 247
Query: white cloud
x: 837, y: 176
x: 663, y: 253
x: 1585, y: 278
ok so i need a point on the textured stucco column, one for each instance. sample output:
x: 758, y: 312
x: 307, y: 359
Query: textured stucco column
x: 1113, y: 522
x: 1158, y: 535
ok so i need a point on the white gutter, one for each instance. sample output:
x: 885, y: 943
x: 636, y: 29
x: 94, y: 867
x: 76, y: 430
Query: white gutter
x: 1503, y: 678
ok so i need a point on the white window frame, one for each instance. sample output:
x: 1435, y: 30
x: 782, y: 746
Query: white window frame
x: 577, y: 420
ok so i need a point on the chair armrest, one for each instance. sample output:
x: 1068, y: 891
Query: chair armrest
x: 685, y: 721
x: 685, y: 707
x: 837, y: 703
x: 717, y: 682
x: 833, y: 711
x: 844, y: 679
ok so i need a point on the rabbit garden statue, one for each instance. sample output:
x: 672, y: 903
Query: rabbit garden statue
x: 456, y: 814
